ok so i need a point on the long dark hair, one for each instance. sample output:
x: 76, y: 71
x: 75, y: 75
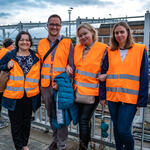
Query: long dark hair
x: 18, y: 37
x: 114, y: 44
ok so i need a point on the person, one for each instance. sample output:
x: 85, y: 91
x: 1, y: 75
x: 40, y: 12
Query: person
x: 54, y: 64
x: 22, y: 94
x: 87, y: 59
x: 126, y: 86
x: 8, y: 45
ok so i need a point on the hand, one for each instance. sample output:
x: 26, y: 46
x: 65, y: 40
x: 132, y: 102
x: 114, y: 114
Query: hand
x: 102, y: 77
x: 10, y: 64
x: 102, y: 102
x: 69, y: 70
x: 55, y: 86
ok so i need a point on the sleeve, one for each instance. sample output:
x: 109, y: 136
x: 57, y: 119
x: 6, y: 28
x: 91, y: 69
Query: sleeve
x: 143, y: 90
x: 71, y: 56
x: 102, y: 85
x: 4, y: 61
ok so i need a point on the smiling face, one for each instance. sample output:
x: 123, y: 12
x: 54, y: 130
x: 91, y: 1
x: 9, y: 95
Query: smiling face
x: 54, y: 26
x: 85, y: 36
x: 121, y: 35
x: 24, y: 43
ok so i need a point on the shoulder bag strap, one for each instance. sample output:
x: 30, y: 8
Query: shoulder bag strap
x: 50, y: 50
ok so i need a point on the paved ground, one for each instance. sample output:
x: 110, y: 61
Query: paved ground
x: 39, y: 140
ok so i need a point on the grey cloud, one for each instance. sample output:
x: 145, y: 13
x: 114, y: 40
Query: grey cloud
x: 75, y: 3
x: 20, y: 4
x: 3, y: 14
x: 42, y: 3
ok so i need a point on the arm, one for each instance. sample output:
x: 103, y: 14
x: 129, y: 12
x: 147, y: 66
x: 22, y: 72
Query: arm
x: 102, y: 85
x: 5, y: 63
x: 143, y: 90
x: 70, y: 67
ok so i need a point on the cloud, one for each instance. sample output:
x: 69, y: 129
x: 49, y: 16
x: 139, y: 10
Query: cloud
x: 3, y: 14
x: 147, y: 5
x: 20, y: 4
x: 80, y: 2
x: 44, y: 3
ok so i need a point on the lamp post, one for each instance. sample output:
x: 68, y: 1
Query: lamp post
x: 69, y: 12
x: 110, y: 24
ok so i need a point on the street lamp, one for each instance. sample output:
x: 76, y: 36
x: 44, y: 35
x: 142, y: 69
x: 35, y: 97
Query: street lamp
x: 69, y: 12
x: 110, y: 24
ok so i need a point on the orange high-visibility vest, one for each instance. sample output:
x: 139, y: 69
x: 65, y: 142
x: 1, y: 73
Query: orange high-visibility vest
x: 87, y: 69
x: 18, y: 84
x: 59, y: 63
x: 122, y: 84
x: 3, y: 51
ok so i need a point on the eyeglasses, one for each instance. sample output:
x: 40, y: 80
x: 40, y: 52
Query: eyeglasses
x: 23, y: 40
x: 52, y: 25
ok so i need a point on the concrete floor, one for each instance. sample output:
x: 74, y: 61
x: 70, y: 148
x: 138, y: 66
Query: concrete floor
x: 39, y: 140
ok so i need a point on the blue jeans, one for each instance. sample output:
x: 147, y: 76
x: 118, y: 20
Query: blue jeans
x: 122, y: 115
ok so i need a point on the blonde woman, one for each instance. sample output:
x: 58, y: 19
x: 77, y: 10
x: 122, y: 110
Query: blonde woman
x: 87, y: 59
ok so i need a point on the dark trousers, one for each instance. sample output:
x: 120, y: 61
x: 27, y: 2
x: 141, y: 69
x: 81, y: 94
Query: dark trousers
x: 122, y: 115
x: 85, y: 113
x: 20, y: 120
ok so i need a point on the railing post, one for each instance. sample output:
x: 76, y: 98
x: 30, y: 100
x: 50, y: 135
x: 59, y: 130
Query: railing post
x: 147, y: 29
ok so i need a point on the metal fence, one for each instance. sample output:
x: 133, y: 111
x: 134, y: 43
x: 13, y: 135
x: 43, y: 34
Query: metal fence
x: 41, y: 121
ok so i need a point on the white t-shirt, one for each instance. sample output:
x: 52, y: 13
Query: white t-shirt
x: 123, y: 53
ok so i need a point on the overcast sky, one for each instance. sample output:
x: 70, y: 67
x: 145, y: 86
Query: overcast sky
x: 14, y: 11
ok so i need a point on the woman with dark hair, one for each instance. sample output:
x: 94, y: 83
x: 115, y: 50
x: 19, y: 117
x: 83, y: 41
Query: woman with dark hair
x: 126, y: 88
x: 22, y: 94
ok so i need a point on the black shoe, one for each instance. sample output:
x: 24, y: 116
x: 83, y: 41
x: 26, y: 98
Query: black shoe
x: 53, y: 146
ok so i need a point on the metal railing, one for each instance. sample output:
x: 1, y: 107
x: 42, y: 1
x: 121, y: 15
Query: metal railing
x: 41, y: 121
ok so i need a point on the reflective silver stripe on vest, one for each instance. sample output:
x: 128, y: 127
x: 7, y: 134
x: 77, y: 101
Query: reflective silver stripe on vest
x: 111, y: 89
x: 112, y: 76
x: 129, y: 91
x: 32, y: 80
x: 45, y: 77
x: 122, y: 90
x: 46, y: 65
x: 58, y: 69
x: 10, y: 88
x: 130, y: 77
x: 16, y: 78
x: 89, y: 74
x: 29, y: 89
x: 123, y: 76
x: 86, y: 84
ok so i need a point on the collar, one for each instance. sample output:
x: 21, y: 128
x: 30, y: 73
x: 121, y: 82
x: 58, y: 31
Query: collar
x: 59, y: 38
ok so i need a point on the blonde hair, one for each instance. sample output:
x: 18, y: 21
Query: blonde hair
x: 129, y: 41
x: 90, y: 28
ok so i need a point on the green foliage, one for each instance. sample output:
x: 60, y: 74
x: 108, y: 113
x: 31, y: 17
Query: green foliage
x: 73, y: 40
